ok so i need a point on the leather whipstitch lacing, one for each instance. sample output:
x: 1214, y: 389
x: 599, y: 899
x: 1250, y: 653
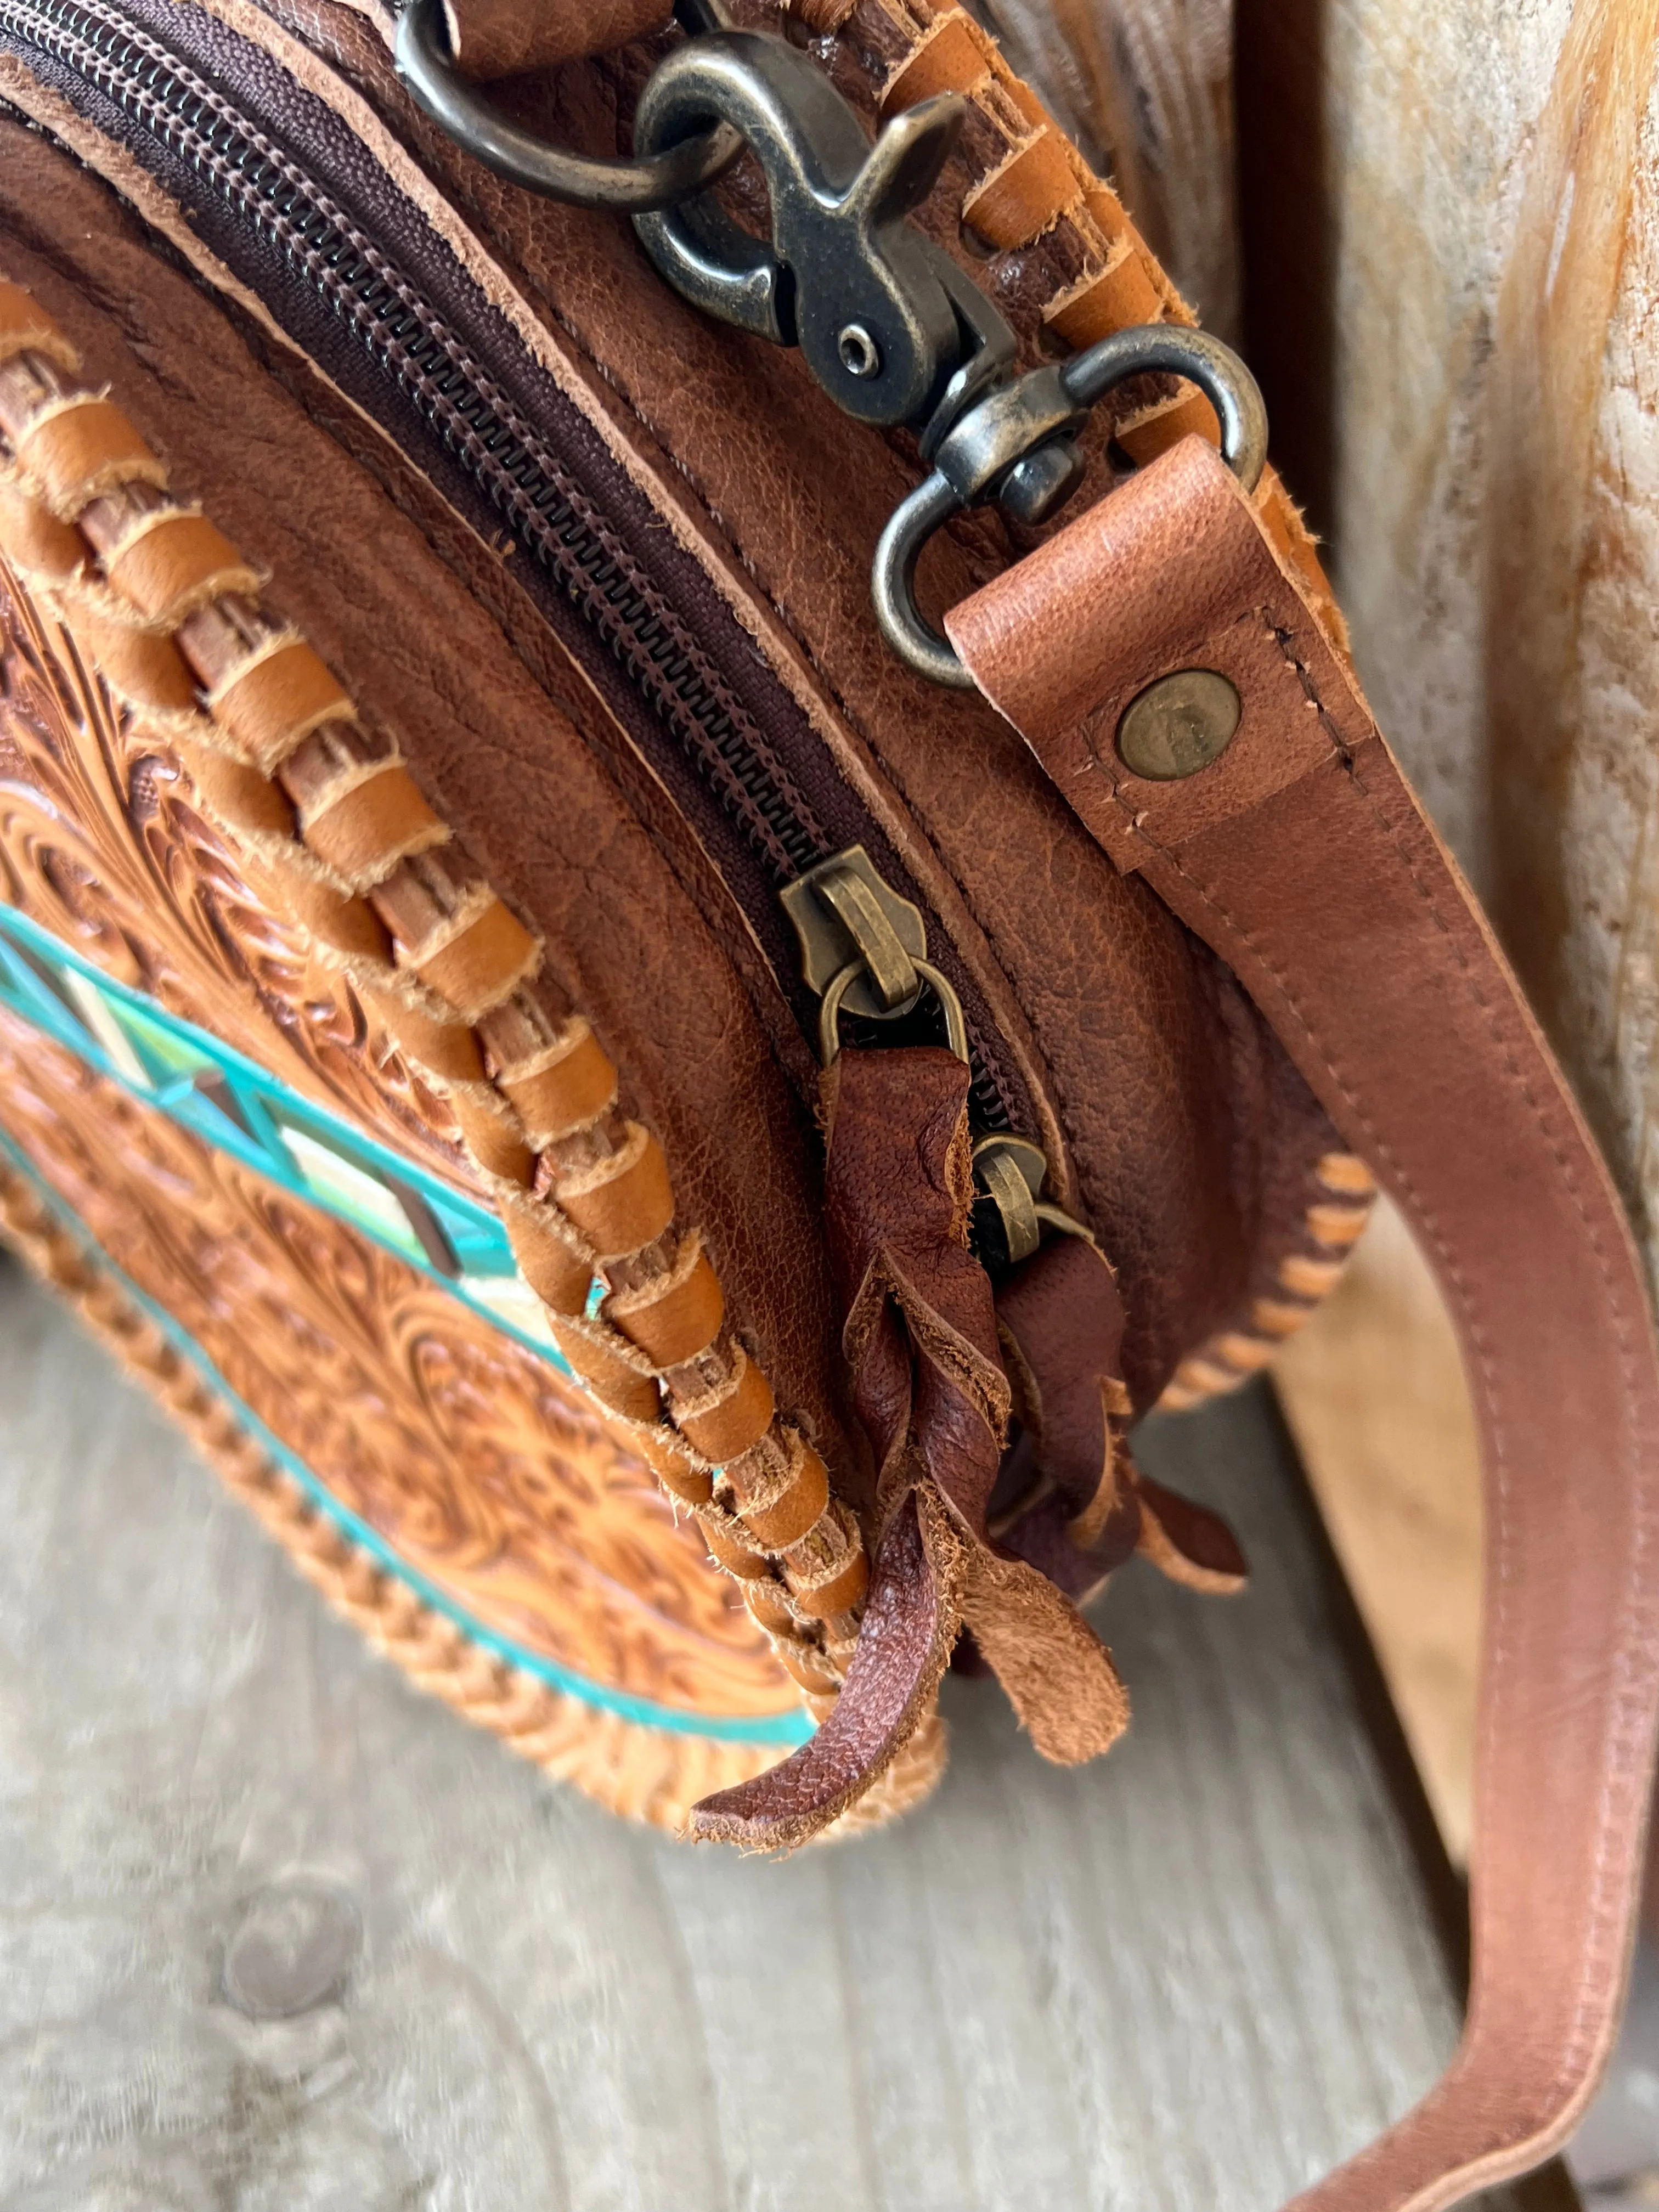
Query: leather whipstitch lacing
x: 333, y: 828
x: 1053, y: 224
x: 643, y: 1773
x: 1058, y: 252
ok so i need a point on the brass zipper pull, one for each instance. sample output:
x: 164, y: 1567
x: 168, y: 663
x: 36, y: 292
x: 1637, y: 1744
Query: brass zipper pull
x: 864, y: 953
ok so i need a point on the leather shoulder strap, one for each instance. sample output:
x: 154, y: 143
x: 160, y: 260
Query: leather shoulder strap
x: 1301, y: 855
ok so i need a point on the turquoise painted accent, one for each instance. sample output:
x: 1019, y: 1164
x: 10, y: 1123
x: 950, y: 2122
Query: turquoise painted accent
x: 257, y: 1119
x: 234, y: 1105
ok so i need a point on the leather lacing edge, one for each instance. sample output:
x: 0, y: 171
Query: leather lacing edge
x: 332, y: 827
x: 1032, y: 189
x: 642, y: 1772
x: 1331, y: 1225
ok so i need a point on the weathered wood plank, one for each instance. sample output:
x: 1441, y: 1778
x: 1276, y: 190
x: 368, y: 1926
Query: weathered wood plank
x: 1189, y: 1976
x: 1146, y: 89
x: 1453, y: 314
x: 1374, y: 1391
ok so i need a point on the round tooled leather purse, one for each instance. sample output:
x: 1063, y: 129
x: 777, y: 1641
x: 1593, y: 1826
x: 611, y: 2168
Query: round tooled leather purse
x: 694, y: 886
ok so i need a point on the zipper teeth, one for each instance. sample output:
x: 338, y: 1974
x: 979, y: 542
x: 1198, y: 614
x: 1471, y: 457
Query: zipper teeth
x: 545, y: 507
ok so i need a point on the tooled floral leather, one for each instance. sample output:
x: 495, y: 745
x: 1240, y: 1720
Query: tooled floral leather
x: 1161, y: 1075
x: 100, y: 842
x: 625, y: 933
x: 466, y: 1451
x: 1198, y: 1102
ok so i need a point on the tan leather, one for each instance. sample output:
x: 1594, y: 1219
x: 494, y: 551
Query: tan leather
x: 1277, y: 852
x: 74, y: 452
x: 788, y: 497
x: 273, y: 702
x: 500, y: 38
x: 902, y: 1646
x: 501, y: 762
x: 1302, y: 858
x: 172, y: 563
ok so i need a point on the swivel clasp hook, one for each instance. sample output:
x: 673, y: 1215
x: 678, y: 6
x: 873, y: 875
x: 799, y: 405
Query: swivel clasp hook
x: 1015, y: 447
x: 883, y: 318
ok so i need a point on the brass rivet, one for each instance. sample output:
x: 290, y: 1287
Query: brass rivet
x: 1178, y: 725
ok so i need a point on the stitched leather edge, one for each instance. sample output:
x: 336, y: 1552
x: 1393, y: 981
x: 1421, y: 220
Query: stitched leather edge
x: 642, y: 1772
x: 445, y: 962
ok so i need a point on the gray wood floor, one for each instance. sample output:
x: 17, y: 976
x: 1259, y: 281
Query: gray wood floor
x: 279, y: 1934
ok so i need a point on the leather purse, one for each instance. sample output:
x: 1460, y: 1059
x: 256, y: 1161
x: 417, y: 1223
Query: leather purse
x: 695, y: 885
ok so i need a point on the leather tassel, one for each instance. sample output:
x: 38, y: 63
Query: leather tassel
x: 932, y: 1393
x: 910, y: 1624
x: 1061, y: 1325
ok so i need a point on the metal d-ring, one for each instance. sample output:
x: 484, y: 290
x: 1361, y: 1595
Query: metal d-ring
x: 955, y: 1025
x: 420, y: 50
x: 980, y: 453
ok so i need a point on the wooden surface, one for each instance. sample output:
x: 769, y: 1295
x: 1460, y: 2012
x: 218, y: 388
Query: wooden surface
x: 1450, y: 219
x: 1374, y: 1392
x: 1191, y: 1976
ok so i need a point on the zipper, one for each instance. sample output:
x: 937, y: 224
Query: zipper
x: 219, y: 126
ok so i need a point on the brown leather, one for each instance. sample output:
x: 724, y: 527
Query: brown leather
x: 903, y: 1643
x: 919, y: 1329
x: 919, y: 1341
x: 1161, y: 1096
x: 1173, y: 1123
x: 507, y: 768
x: 1302, y: 858
x: 499, y: 38
x: 1061, y: 1322
x: 1190, y: 1544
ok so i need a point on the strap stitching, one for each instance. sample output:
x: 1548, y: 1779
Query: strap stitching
x: 1624, y: 1719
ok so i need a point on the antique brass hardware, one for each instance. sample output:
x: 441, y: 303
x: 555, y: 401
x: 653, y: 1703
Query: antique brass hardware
x: 864, y: 951
x: 888, y: 323
x: 1178, y: 725
x: 843, y: 910
x: 829, y: 1012
x: 1011, y: 1172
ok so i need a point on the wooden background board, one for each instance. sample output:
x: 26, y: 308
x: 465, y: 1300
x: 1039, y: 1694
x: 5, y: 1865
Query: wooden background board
x: 1189, y: 1976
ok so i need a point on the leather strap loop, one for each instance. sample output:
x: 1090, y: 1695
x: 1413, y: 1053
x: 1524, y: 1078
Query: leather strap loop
x: 80, y: 446
x: 734, y: 1417
x: 169, y: 563
x: 1302, y: 857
